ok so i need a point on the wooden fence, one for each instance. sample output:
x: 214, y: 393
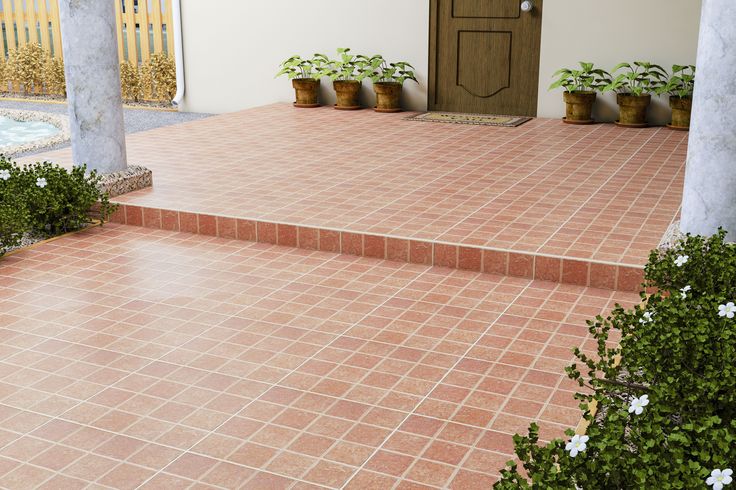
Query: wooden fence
x: 144, y: 27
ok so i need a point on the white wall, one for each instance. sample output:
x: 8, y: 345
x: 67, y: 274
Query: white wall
x: 232, y: 48
x: 609, y: 32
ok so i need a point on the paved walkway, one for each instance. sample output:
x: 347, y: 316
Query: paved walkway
x: 135, y: 119
x: 138, y: 358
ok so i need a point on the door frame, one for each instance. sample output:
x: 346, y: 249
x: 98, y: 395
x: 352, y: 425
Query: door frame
x: 432, y: 78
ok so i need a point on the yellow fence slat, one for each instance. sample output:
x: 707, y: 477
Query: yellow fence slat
x: 169, y: 27
x: 43, y: 22
x: 55, y: 24
x: 9, y: 22
x: 32, y: 31
x: 119, y: 27
x: 158, y: 40
x: 129, y: 18
x: 20, y: 22
x: 142, y: 20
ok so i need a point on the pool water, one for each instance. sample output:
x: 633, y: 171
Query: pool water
x: 14, y: 132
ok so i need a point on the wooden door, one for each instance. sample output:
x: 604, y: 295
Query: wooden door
x: 484, y: 56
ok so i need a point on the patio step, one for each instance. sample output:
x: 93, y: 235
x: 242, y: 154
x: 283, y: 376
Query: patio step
x: 581, y: 272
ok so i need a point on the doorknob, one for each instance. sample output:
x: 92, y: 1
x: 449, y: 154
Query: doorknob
x: 527, y: 6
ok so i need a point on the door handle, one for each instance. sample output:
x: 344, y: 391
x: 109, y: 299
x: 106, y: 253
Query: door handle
x: 527, y: 6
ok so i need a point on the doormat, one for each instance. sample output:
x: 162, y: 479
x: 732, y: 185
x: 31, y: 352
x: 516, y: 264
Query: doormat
x: 475, y: 119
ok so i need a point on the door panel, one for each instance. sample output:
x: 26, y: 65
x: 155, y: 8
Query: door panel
x: 486, y: 76
x: 486, y: 9
x: 484, y: 56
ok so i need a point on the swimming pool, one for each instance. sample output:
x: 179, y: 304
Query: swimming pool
x: 23, y: 132
x: 14, y: 132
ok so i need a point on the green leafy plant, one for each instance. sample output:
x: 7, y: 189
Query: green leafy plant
x: 14, y: 219
x: 681, y: 83
x: 50, y: 200
x: 297, y: 67
x: 347, y: 67
x: 665, y: 394
x: 379, y: 70
x: 639, y: 78
x: 586, y: 79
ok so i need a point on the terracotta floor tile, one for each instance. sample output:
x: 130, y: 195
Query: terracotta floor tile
x: 597, y: 192
x: 240, y: 364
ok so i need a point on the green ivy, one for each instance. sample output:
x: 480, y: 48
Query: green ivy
x: 45, y: 200
x: 677, y: 349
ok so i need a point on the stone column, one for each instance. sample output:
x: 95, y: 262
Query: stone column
x: 90, y: 46
x: 709, y: 198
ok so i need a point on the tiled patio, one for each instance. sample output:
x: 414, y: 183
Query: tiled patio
x: 138, y: 358
x: 577, y: 204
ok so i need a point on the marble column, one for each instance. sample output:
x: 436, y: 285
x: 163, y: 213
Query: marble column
x: 90, y: 46
x: 709, y: 198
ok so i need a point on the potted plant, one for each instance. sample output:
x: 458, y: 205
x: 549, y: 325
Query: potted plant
x: 388, y: 79
x: 634, y: 90
x: 347, y: 78
x: 680, y: 87
x: 580, y: 91
x: 302, y: 73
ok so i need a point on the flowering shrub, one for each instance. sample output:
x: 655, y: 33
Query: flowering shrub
x: 44, y: 199
x: 665, y: 396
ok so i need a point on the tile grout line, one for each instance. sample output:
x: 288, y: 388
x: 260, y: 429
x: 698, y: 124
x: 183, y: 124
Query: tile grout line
x: 292, y: 371
x: 142, y: 367
x: 449, y: 370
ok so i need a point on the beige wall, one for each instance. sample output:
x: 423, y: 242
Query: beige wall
x: 230, y: 64
x: 608, y: 32
x: 232, y: 47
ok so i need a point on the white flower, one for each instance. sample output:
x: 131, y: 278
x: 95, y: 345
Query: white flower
x: 576, y: 445
x: 638, y: 404
x: 4, y: 174
x: 684, y: 291
x: 681, y: 260
x: 719, y: 478
x: 646, y: 318
x: 728, y: 310
x: 41, y: 182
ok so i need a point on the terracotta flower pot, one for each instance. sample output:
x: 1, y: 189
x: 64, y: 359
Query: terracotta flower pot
x: 681, y: 108
x: 388, y: 96
x: 348, y: 94
x: 633, y: 110
x: 307, y: 92
x: 579, y: 107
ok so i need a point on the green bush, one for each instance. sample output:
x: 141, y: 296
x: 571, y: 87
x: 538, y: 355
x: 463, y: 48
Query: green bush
x: 45, y: 199
x: 665, y: 395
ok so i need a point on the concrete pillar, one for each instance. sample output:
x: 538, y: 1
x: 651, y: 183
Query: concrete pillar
x: 709, y: 199
x: 91, y: 66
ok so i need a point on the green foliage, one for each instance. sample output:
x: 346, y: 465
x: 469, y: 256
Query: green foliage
x: 678, y: 348
x: 681, y: 83
x: 379, y: 70
x: 46, y: 199
x: 639, y: 78
x: 297, y: 67
x: 586, y: 79
x: 346, y: 67
x: 14, y: 219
